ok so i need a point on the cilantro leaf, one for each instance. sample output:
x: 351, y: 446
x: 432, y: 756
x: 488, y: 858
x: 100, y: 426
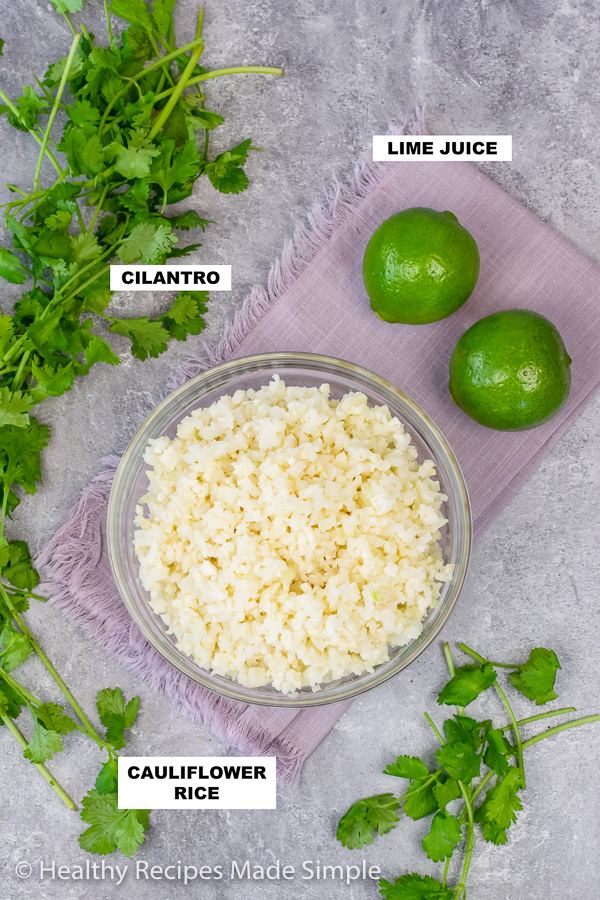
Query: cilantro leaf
x: 466, y: 730
x: 148, y: 338
x: 445, y: 790
x: 107, y: 780
x: 357, y: 826
x: 185, y: 315
x: 460, y: 761
x: 467, y: 684
x: 414, y: 887
x: 444, y: 836
x: 421, y: 800
x: 492, y: 833
x: 98, y: 350
x: 501, y: 802
x: 204, y: 118
x: 131, y: 711
x: 115, y: 716
x: 132, y: 162
x: 10, y: 701
x: 43, y: 744
x: 14, y: 408
x: 21, y: 447
x: 55, y: 72
x: 134, y: 11
x: 6, y: 330
x: 19, y: 570
x: 162, y: 11
x: 146, y: 242
x: 97, y: 295
x: 136, y: 43
x: 498, y: 751
x: 85, y: 247
x: 16, y: 647
x: 180, y: 252
x: 81, y: 112
x: 111, y: 828
x: 60, y: 220
x: 51, y: 382
x: 54, y: 718
x: 10, y: 268
x: 168, y: 169
x: 84, y: 150
x: 535, y: 679
x: 407, y: 767
x: 225, y: 172
x: 67, y: 6
x: 187, y: 220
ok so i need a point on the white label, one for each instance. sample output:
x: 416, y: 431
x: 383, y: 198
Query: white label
x: 191, y: 782
x: 442, y: 147
x: 170, y: 278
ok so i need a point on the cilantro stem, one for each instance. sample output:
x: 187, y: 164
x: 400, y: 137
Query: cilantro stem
x: 17, y: 593
x: 69, y: 23
x: 515, y: 727
x: 20, y: 370
x: 14, y: 110
x: 483, y: 783
x: 54, y: 110
x: 90, y: 280
x: 99, y: 206
x: 435, y: 730
x: 165, y: 69
x: 546, y: 715
x: 551, y: 731
x: 145, y: 71
x: 110, y: 36
x: 41, y: 769
x: 176, y: 93
x: 446, y: 867
x: 47, y: 663
x: 509, y: 710
x: 95, y: 737
x: 18, y: 688
x: 471, y: 840
x: 233, y: 70
x: 32, y: 700
x: 450, y: 661
x: 481, y: 659
x: 4, y: 505
x: 12, y: 351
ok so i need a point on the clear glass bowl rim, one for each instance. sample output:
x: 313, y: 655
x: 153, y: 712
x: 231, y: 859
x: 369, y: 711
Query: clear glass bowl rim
x: 354, y: 685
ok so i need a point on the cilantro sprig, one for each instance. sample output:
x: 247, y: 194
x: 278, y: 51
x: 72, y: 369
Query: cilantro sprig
x: 116, y: 125
x: 485, y: 802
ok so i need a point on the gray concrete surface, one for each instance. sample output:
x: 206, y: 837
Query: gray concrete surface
x: 527, y: 68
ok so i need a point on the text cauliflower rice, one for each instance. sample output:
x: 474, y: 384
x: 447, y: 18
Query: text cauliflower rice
x: 290, y: 538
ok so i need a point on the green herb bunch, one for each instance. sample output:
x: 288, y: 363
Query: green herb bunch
x: 131, y: 112
x: 466, y: 745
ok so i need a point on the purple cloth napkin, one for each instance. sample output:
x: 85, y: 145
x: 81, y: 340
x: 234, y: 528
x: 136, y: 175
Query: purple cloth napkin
x: 315, y: 302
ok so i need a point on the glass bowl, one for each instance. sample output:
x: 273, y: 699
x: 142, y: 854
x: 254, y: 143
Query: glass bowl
x: 304, y: 370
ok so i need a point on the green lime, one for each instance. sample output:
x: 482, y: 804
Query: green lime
x: 420, y: 266
x: 510, y: 371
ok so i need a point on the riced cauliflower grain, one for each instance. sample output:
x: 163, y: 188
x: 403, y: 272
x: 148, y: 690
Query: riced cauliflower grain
x: 289, y: 538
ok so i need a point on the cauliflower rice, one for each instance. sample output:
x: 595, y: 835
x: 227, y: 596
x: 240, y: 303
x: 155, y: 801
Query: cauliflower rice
x: 289, y: 538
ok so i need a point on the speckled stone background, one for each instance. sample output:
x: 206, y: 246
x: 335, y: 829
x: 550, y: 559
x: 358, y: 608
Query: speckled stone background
x: 528, y: 68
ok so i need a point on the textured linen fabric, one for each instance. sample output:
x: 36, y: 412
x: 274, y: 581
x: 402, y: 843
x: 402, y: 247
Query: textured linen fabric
x: 316, y: 303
